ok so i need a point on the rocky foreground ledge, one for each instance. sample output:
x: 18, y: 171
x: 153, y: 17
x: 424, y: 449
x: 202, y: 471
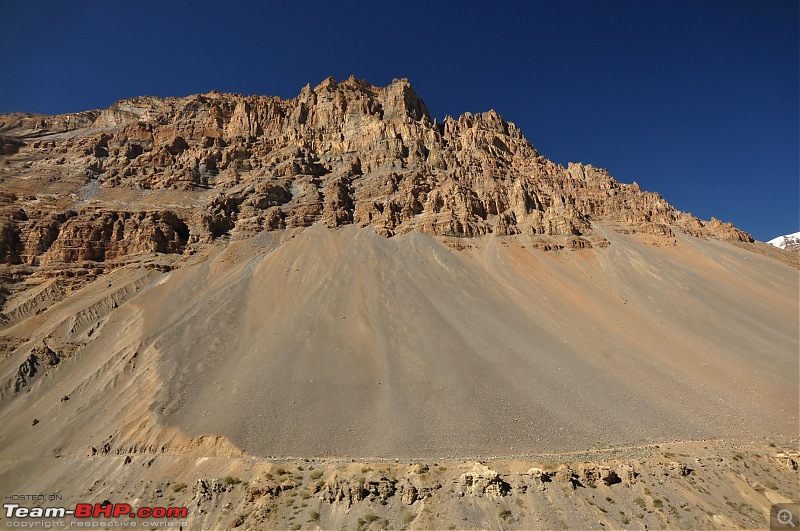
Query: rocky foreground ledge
x: 686, y: 485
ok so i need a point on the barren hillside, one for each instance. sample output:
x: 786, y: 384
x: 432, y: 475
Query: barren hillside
x: 210, y: 286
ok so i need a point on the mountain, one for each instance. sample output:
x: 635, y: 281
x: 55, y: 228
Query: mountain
x: 341, y: 153
x: 344, y: 303
x: 790, y: 242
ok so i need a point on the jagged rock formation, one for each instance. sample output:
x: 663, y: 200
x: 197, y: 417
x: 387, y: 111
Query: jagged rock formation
x: 482, y: 481
x: 85, y: 186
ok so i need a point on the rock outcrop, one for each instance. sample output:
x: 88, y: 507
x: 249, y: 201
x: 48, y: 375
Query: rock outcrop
x: 482, y: 481
x: 153, y: 175
x: 99, y: 235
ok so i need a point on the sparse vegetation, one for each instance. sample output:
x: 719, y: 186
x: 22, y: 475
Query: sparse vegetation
x: 365, y: 469
x: 421, y: 469
x: 315, y: 475
x: 624, y: 518
x: 178, y: 487
x: 504, y: 514
x: 231, y: 480
x: 366, y: 520
x: 408, y: 518
x: 640, y: 502
x: 658, y: 503
x: 772, y: 445
x: 313, y: 516
x: 609, y: 499
x: 669, y: 455
x: 281, y: 471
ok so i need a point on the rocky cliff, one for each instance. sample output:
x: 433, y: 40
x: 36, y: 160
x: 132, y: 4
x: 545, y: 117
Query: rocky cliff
x: 86, y: 186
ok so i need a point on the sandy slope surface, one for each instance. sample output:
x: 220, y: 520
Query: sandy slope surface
x: 341, y: 342
x: 336, y: 344
x: 346, y: 343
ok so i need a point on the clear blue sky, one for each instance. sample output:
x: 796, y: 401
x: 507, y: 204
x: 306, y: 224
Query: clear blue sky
x: 697, y: 100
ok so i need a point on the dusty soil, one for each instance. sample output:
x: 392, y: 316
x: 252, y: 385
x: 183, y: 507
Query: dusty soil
x: 349, y: 354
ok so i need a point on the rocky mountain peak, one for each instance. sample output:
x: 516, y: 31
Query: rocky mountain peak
x: 165, y: 175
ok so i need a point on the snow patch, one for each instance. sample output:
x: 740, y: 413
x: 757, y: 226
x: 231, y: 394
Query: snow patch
x: 787, y: 240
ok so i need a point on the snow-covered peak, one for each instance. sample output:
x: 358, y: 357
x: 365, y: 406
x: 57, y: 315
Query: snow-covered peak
x: 789, y: 241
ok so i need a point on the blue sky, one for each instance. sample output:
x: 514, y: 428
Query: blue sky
x: 697, y: 100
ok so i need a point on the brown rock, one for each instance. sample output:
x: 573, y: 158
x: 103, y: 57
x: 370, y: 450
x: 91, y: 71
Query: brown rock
x: 153, y: 175
x: 101, y: 235
x: 482, y: 481
x: 345, y: 153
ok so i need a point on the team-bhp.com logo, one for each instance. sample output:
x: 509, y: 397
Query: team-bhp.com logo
x: 97, y: 510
